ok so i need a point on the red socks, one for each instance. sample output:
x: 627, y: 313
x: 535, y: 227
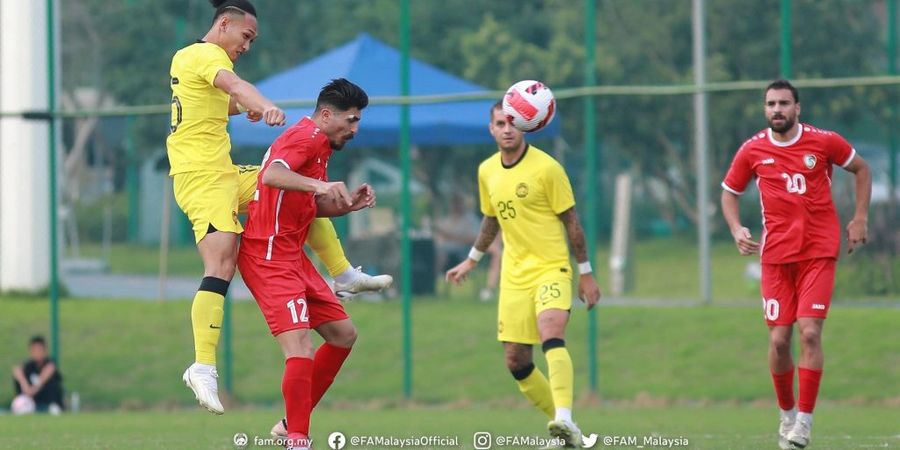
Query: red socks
x: 809, y: 389
x: 325, y: 366
x: 784, y: 389
x: 296, y: 389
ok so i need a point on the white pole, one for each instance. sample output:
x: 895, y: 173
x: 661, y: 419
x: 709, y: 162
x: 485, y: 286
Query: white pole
x: 701, y: 138
x: 164, y: 225
x: 619, y: 260
x: 24, y: 188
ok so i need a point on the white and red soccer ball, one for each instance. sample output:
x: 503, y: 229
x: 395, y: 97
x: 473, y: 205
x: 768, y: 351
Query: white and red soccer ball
x: 529, y: 105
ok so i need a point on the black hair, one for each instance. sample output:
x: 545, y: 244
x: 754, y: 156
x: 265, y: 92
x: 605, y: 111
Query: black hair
x: 495, y: 107
x: 239, y: 7
x: 784, y: 84
x: 342, y: 94
x: 37, y: 340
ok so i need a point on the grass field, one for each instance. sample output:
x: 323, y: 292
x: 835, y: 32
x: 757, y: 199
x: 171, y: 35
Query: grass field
x: 718, y: 427
x: 675, y: 258
x: 647, y: 355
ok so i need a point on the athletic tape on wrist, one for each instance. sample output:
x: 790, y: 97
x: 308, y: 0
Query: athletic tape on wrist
x: 585, y: 268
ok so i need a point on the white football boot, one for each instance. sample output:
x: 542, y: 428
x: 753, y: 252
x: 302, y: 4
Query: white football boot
x: 567, y: 431
x: 799, y: 436
x: 354, y: 281
x: 785, y: 425
x: 202, y: 379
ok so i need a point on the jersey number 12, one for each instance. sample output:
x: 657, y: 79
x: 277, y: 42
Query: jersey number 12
x: 304, y: 314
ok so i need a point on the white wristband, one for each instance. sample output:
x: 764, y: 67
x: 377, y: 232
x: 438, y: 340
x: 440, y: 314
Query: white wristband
x: 475, y: 255
x: 241, y: 108
x: 585, y: 268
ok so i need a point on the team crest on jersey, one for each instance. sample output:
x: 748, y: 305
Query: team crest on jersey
x: 522, y: 190
x: 810, y: 161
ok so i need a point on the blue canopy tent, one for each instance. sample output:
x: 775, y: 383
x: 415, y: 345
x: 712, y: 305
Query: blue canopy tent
x: 375, y: 66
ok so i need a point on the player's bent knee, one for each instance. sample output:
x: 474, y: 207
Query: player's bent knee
x: 552, y: 343
x: 348, y: 338
x: 780, y: 344
x: 345, y: 337
x: 220, y: 265
x: 522, y: 373
x: 811, y: 339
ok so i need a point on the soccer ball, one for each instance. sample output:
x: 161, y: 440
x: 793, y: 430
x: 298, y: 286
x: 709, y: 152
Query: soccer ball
x: 529, y: 105
x: 22, y: 404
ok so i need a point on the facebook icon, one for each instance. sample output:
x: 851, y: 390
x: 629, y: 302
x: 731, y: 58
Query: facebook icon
x: 337, y: 440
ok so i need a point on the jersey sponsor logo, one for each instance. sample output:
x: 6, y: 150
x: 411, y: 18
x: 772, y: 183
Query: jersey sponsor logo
x: 522, y: 190
x: 818, y: 306
x: 767, y: 161
x: 809, y: 161
x: 174, y: 81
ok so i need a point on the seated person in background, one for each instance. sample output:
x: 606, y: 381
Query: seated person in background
x: 454, y: 234
x: 38, y: 379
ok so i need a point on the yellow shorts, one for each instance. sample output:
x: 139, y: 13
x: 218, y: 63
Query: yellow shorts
x: 518, y: 309
x: 215, y: 198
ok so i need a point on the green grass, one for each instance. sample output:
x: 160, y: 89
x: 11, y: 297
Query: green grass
x: 131, y: 354
x: 144, y: 260
x: 719, y: 427
x: 663, y: 269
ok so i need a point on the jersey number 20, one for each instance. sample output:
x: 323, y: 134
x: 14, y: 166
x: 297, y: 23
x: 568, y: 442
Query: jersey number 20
x: 796, y: 183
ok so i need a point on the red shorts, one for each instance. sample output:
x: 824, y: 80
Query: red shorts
x: 798, y: 289
x: 291, y: 294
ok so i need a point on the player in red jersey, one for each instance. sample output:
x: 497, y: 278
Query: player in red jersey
x: 292, y: 190
x: 792, y: 163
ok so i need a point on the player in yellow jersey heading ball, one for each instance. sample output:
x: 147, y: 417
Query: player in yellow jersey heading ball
x: 211, y: 190
x: 526, y: 193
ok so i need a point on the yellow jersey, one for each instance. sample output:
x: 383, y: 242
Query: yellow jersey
x: 526, y: 198
x: 198, y: 138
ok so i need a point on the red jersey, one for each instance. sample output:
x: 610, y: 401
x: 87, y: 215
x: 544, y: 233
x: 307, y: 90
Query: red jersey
x: 800, y: 221
x: 278, y: 220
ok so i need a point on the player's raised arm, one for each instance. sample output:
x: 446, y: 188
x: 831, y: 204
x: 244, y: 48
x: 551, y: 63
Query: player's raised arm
x: 235, y: 108
x: 333, y: 204
x: 588, y: 289
x: 489, y: 229
x: 249, y: 97
x: 858, y: 227
x: 280, y: 177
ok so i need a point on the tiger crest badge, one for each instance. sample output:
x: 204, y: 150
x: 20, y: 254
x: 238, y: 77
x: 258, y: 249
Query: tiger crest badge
x: 522, y: 190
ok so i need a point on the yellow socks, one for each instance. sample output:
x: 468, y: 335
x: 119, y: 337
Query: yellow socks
x: 562, y: 378
x: 206, y: 318
x: 324, y: 241
x: 535, y: 387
